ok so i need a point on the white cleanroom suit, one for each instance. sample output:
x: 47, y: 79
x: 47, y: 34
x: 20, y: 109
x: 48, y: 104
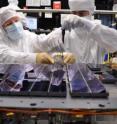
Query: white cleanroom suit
x: 86, y: 38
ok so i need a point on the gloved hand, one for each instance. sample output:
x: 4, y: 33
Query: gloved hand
x: 69, y: 58
x: 70, y: 22
x: 65, y: 57
x: 44, y: 58
x: 113, y: 63
x: 74, y: 21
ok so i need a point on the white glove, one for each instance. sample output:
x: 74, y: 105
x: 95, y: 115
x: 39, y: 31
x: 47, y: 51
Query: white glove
x: 70, y: 22
x: 74, y: 21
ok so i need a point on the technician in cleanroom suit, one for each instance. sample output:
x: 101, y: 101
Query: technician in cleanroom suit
x: 85, y: 37
x: 19, y: 46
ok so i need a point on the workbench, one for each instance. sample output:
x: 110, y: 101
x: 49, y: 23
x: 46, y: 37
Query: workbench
x: 62, y: 103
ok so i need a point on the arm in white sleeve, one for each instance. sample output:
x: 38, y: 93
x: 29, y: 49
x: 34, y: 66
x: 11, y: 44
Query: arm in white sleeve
x: 46, y: 43
x: 105, y: 36
x: 67, y: 43
x: 8, y: 56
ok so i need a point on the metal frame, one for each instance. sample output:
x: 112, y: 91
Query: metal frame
x: 62, y: 11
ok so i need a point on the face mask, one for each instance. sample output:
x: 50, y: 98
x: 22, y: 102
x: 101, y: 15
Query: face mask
x: 88, y: 17
x: 15, y: 31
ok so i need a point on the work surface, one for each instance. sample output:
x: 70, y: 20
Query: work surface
x: 62, y: 103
